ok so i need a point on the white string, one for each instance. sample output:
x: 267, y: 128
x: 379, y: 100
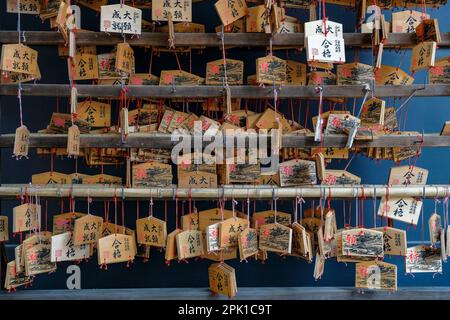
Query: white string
x: 19, y: 89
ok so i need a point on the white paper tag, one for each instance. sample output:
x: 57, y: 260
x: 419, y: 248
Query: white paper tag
x: 120, y: 19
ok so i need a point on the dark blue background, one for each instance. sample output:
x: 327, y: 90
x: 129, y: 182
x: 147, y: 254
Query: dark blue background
x: 427, y: 114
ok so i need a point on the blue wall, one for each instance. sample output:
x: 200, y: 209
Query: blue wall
x: 423, y: 114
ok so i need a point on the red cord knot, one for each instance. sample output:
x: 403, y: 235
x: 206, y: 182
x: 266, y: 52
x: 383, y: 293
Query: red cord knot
x: 168, y: 263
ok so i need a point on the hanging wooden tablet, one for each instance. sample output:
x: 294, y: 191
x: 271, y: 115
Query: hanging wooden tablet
x: 403, y: 209
x: 340, y: 123
x: 119, y: 18
x: 428, y: 30
x: 63, y: 222
x: 270, y: 70
x: 49, y: 178
x: 321, y: 78
x: 189, y: 244
x: 331, y: 152
x: 300, y: 245
x: 435, y: 228
x: 268, y: 120
x: 19, y: 259
x: 270, y: 178
x: 73, y: 141
x: 13, y: 278
x: 248, y: 243
x: 423, y: 259
x: 97, y: 114
x: 230, y: 11
x: 37, y: 260
x: 26, y: 217
x: 295, y: 73
x: 268, y: 217
x: 212, y: 237
x: 289, y: 27
x: 275, y: 237
x: 152, y: 174
x: 317, y: 28
x: 440, y: 73
x: 115, y: 248
x: 124, y: 58
x: 61, y: 122
x: 63, y: 249
x: 180, y: 11
x: 179, y: 78
x: 215, y: 72
x: 394, y: 241
x: 229, y: 231
x: 319, y: 266
x: 376, y: 275
x: 144, y: 79
x: 21, y: 142
x: 103, y: 179
x: 422, y: 55
x: 340, y: 177
x: 239, y: 173
x: 388, y: 75
x: 4, y: 233
x: 372, y: 113
x: 407, y: 21
x: 87, y: 229
x: 354, y: 73
x: 297, y: 172
x: 325, y: 49
x: 212, y: 216
x: 19, y: 58
x: 84, y: 67
x: 362, y: 242
x: 26, y: 6
x: 106, y: 64
x: 222, y: 279
x: 330, y: 225
x: 222, y: 255
x: 151, y: 231
x: 191, y: 221
x: 255, y: 21
x: 171, y: 245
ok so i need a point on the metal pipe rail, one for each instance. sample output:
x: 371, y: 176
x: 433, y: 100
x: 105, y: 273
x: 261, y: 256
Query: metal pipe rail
x: 228, y: 192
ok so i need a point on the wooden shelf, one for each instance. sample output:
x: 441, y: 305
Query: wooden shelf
x: 159, y: 39
x: 163, y: 141
x: 11, y: 191
x: 256, y: 92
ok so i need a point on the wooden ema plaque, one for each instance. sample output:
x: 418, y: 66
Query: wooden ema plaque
x: 407, y: 21
x: 87, y: 229
x: 387, y: 75
x: 97, y: 114
x: 394, y: 241
x: 37, y: 260
x: 179, y: 78
x: 106, y: 63
x: 340, y: 177
x: 317, y: 28
x: 171, y: 245
x: 270, y: 178
x: 268, y: 120
x: 115, y: 248
x: 61, y: 122
x: 362, y: 242
x: 179, y: 10
x: 341, y: 123
x: 440, y: 72
x: 118, y: 18
x: 222, y: 279
x: 275, y: 237
x: 26, y: 217
x: 49, y: 178
x: 405, y: 209
x: 144, y: 79
x: 31, y: 240
x: 21, y: 142
x: 270, y: 70
x: 190, y: 221
x: 254, y: 21
x: 26, y: 6
x: 189, y: 244
x: 248, y: 243
x: 63, y: 249
x: 103, y: 179
x: 422, y: 258
x: 63, y: 222
x: 295, y: 73
x: 319, y: 266
x: 196, y: 175
x: 4, y: 233
x: 212, y: 237
x: 229, y: 231
x: 19, y: 58
x: 84, y: 66
x: 225, y: 254
x: 372, y: 113
x: 230, y: 11
x: 331, y: 152
x: 239, y: 173
x: 297, y: 172
x: 73, y: 141
x: 212, y: 216
x: 407, y: 175
x: 428, y: 30
x: 435, y: 228
x: 13, y: 278
x: 422, y: 55
x: 152, y: 174
x: 215, y: 72
x: 325, y: 49
x: 376, y: 275
x: 124, y: 58
x: 151, y: 231
x: 300, y: 245
x: 268, y: 217
x: 354, y: 74
x: 109, y: 228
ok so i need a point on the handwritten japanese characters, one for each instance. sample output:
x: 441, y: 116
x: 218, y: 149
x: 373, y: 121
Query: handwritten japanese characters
x: 120, y: 19
x: 364, y: 243
x: 97, y: 114
x: 64, y: 222
x: 151, y: 231
x: 408, y: 175
x: 64, y: 249
x: 297, y: 172
x: 407, y: 21
x: 403, y: 209
x: 222, y: 279
x: 189, y: 244
x: 84, y: 66
x: 270, y: 70
x: 325, y: 49
x: 388, y: 75
x: 423, y: 259
x: 37, y: 259
x: 4, y: 233
x: 26, y: 217
x: 26, y: 6
x: 229, y: 231
x: 422, y: 55
x: 180, y: 10
x: 230, y: 10
x: 324, y: 28
x: 19, y: 58
x: 376, y: 275
x: 276, y: 238
x: 295, y: 73
x: 21, y: 142
x: 73, y: 141
x: 124, y: 58
x: 394, y: 241
x: 87, y: 229
x: 115, y: 248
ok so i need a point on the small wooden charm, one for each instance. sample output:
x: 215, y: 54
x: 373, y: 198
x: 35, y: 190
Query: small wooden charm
x: 151, y: 231
x: 362, y: 243
x: 230, y: 11
x: 124, y: 58
x: 73, y: 141
x: 213, y: 237
x: 376, y: 275
x: 4, y: 232
x: 87, y: 229
x: 171, y: 245
x: 248, y: 243
x: 230, y: 230
x: 115, y: 248
x: 297, y: 172
x: 270, y: 70
x: 189, y: 244
x: 26, y: 217
x: 37, y: 260
x: 63, y: 249
x: 21, y: 142
x: 422, y: 55
x: 267, y: 217
x: 276, y: 238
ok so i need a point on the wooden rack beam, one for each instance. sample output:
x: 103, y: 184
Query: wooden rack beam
x: 229, y: 192
x: 159, y: 39
x: 163, y: 141
x: 256, y: 92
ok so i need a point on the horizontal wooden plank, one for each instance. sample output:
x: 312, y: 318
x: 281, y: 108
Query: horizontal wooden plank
x: 204, y: 39
x: 244, y: 293
x: 332, y: 91
x: 164, y: 141
x: 100, y: 192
